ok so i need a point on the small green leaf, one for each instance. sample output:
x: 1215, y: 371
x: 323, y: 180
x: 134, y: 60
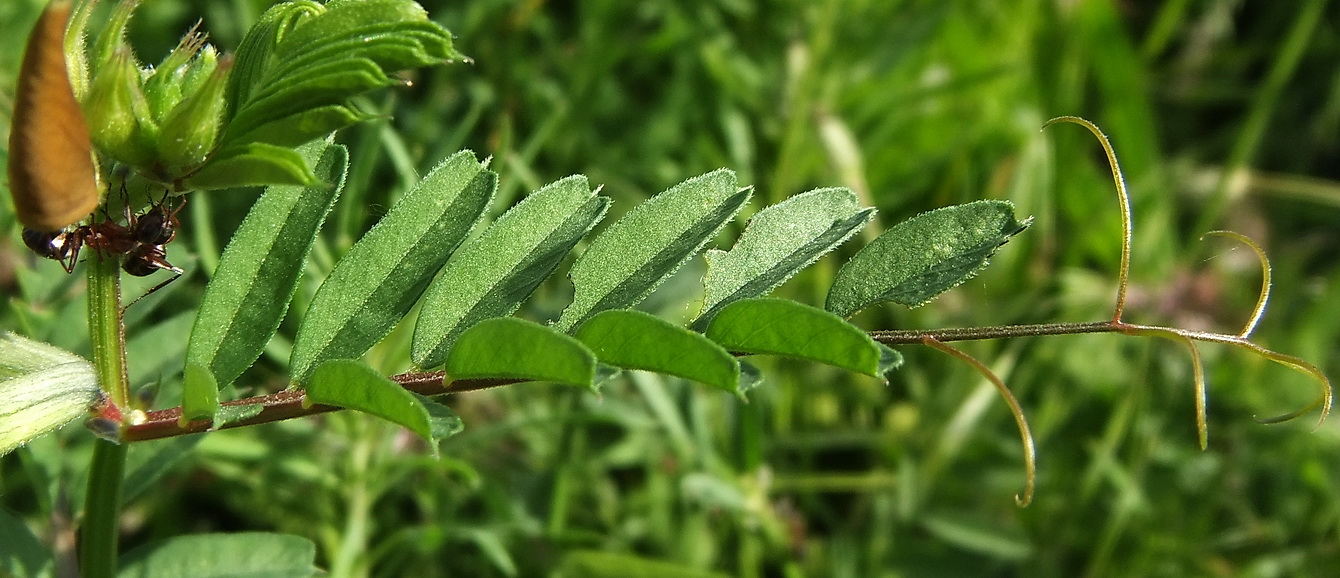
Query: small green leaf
x: 255, y: 55
x: 510, y: 348
x: 305, y: 57
x: 443, y: 422
x: 299, y: 128
x: 258, y: 272
x: 637, y: 340
x: 631, y: 258
x: 200, y: 393
x: 349, y: 19
x: 781, y: 327
x: 250, y: 554
x: 492, y: 274
x: 320, y: 87
x: 924, y: 256
x: 234, y: 413
x: 252, y: 165
x: 42, y: 387
x: 355, y: 385
x: 778, y: 242
x: 381, y: 277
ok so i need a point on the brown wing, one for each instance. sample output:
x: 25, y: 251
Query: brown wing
x: 51, y: 172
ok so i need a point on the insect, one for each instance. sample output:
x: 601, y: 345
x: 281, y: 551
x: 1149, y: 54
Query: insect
x: 141, y: 241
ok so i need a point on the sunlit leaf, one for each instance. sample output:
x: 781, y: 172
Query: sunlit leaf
x: 492, y: 274
x: 42, y: 388
x: 634, y: 255
x: 259, y: 271
x: 778, y: 242
x: 381, y: 277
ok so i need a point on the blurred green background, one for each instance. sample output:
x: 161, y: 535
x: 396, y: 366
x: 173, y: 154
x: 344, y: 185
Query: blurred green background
x: 1224, y: 114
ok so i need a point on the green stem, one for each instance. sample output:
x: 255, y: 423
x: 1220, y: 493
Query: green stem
x: 102, y: 509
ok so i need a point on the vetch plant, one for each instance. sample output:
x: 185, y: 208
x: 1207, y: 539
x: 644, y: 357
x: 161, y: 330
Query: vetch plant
x: 201, y: 120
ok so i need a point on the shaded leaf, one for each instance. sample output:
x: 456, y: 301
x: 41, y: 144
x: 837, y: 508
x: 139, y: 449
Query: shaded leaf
x: 443, y: 422
x: 259, y: 270
x: 355, y: 385
x: 924, y: 256
x: 381, y: 277
x: 637, y: 340
x: 778, y: 242
x: 631, y: 258
x: 782, y: 327
x: 492, y: 274
x: 509, y: 348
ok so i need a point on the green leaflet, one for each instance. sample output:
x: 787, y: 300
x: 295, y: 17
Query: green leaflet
x: 631, y: 258
x: 381, y: 277
x: 442, y: 422
x: 250, y: 554
x: 637, y: 340
x: 42, y: 387
x: 252, y: 164
x: 234, y: 413
x: 778, y: 242
x: 200, y: 393
x: 510, y: 348
x: 295, y: 129
x: 782, y: 327
x: 924, y: 256
x: 255, y: 55
x: 492, y: 274
x: 259, y: 270
x: 355, y: 385
x: 297, y: 70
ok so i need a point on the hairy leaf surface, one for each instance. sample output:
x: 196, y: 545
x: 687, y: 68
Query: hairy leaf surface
x: 492, y: 274
x: 924, y: 256
x: 631, y: 258
x: 381, y: 277
x: 778, y: 242
x: 259, y: 270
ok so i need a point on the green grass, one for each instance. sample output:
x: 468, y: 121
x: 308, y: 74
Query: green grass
x: 1224, y: 115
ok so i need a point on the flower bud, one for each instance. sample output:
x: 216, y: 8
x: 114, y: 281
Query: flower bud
x: 192, y: 127
x: 119, y: 118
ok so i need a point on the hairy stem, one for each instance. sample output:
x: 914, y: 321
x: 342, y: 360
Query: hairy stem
x: 102, y: 509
